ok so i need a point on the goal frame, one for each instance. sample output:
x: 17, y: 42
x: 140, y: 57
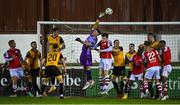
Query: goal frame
x: 39, y: 23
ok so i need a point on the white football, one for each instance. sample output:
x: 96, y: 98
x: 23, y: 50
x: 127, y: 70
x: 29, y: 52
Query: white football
x: 109, y: 11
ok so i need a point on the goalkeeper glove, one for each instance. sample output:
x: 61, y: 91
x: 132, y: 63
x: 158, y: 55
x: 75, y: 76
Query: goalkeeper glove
x: 78, y: 39
x: 101, y: 15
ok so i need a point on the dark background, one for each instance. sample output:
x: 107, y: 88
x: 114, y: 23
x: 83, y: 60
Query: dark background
x: 20, y: 16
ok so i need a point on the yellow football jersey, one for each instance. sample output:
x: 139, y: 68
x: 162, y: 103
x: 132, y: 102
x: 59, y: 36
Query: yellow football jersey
x: 118, y: 58
x: 33, y: 57
x: 155, y: 44
x: 54, y: 59
x: 52, y: 41
x: 128, y: 56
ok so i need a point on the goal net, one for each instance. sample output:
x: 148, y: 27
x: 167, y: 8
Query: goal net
x: 126, y: 33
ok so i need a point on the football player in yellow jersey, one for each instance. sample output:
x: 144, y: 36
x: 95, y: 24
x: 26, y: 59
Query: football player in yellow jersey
x: 32, y: 59
x: 119, y: 67
x: 129, y: 55
x: 55, y: 38
x: 53, y: 68
x: 153, y: 40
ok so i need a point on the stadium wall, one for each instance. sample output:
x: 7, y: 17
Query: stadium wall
x: 21, y: 15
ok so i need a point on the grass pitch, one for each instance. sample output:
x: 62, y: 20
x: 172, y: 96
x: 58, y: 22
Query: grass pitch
x: 82, y: 100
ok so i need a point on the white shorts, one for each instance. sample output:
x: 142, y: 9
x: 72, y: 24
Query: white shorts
x: 166, y: 70
x: 17, y: 72
x: 153, y: 72
x: 105, y: 64
x: 138, y: 76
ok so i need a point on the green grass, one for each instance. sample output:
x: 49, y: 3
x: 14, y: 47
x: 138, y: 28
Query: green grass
x: 81, y: 100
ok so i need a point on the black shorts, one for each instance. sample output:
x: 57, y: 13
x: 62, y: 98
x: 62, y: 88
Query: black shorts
x: 52, y: 71
x: 129, y: 74
x: 119, y: 71
x: 34, y: 72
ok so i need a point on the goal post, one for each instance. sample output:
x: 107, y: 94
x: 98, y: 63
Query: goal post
x: 71, y: 30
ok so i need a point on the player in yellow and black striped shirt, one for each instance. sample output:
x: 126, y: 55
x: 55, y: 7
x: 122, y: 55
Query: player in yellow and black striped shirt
x: 55, y: 38
x: 53, y: 68
x: 153, y: 40
x: 33, y: 59
x: 119, y: 67
x: 52, y: 39
x: 129, y: 55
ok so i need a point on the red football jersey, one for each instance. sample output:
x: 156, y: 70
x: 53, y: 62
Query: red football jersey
x: 104, y: 45
x: 15, y: 62
x: 166, y: 56
x: 138, y: 66
x: 151, y: 58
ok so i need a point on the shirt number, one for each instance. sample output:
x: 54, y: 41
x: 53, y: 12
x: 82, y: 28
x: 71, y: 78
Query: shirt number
x: 52, y: 57
x: 151, y: 56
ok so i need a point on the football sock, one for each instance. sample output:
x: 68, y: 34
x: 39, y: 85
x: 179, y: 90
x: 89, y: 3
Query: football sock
x: 116, y: 87
x: 88, y: 74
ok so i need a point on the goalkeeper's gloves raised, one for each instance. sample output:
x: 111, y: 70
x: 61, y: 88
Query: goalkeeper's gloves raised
x: 101, y: 15
x: 78, y: 40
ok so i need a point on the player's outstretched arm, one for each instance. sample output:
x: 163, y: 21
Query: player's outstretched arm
x: 109, y: 49
x: 96, y: 24
x: 96, y: 47
x: 7, y: 57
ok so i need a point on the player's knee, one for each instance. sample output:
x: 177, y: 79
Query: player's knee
x: 100, y: 74
x: 113, y: 78
x: 60, y: 78
x: 14, y: 79
x: 146, y: 79
x: 28, y: 79
x: 107, y: 76
x: 164, y: 77
x: 121, y: 78
x: 45, y: 81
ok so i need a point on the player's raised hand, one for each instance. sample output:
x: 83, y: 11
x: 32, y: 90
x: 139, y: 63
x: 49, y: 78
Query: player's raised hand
x: 101, y: 14
x: 78, y: 40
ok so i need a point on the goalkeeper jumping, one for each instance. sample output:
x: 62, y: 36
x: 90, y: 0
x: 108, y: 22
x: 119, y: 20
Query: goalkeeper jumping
x: 86, y: 56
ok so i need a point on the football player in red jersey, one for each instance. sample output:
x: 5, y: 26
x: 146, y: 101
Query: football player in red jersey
x: 154, y: 44
x: 13, y: 56
x: 105, y: 62
x: 166, y: 66
x: 151, y: 58
x: 137, y: 69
